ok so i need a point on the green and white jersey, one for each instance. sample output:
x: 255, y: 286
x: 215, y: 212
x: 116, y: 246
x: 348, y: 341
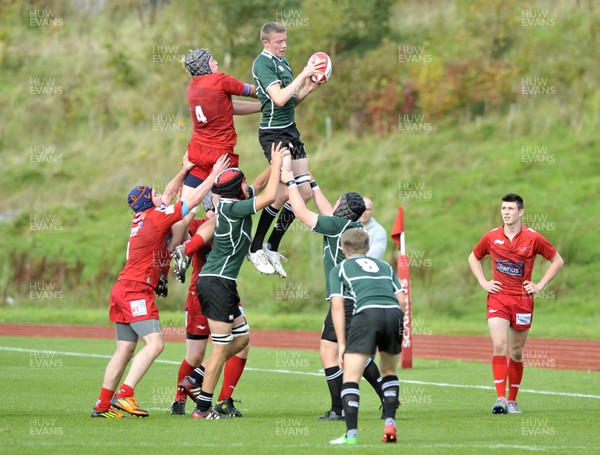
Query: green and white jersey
x: 233, y: 231
x: 266, y: 71
x: 371, y: 282
x: 332, y: 228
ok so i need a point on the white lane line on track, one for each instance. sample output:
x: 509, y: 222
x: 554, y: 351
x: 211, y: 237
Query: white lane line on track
x: 306, y: 373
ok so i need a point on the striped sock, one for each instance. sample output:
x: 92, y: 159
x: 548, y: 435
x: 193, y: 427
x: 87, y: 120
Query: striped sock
x: 351, y: 399
x: 198, y: 375
x: 334, y: 378
x: 390, y: 387
x: 204, y: 401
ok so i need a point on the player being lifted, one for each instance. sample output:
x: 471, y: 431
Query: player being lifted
x: 212, y: 108
x: 279, y: 94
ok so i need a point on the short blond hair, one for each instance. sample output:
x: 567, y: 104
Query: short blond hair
x: 269, y: 28
x: 355, y: 241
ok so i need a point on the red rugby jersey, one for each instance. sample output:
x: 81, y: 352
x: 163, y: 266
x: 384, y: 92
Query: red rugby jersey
x: 146, y: 254
x: 512, y: 261
x: 211, y: 108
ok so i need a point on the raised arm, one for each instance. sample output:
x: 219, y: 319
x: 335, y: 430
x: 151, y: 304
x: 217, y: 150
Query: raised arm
x: 304, y: 91
x: 323, y: 205
x: 268, y: 197
x: 173, y: 186
x: 281, y: 96
x: 261, y: 181
x: 295, y: 199
x: 245, y: 107
x: 196, y: 196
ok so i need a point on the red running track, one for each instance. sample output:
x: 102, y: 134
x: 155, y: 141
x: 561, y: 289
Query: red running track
x: 539, y: 352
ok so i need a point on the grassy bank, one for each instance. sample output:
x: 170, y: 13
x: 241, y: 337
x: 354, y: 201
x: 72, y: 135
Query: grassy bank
x: 121, y: 119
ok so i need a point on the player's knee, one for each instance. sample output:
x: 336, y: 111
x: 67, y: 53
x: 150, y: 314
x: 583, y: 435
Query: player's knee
x: 157, y: 346
x: 516, y: 354
x: 241, y: 333
x: 195, y: 358
x: 499, y: 347
x: 303, y: 182
x: 244, y: 352
x: 126, y: 350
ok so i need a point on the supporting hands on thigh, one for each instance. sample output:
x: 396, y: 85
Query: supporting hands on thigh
x: 186, y: 163
x: 277, y: 155
x: 287, y: 173
x: 221, y: 164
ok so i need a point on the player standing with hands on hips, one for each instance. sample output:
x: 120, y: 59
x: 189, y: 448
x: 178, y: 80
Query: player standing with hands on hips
x: 513, y: 248
x: 279, y: 94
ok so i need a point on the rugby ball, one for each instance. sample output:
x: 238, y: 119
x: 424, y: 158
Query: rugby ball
x: 323, y: 64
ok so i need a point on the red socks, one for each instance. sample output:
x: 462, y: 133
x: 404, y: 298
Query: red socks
x: 234, y: 368
x: 500, y: 372
x: 515, y: 374
x: 103, y: 402
x: 125, y: 391
x: 185, y: 369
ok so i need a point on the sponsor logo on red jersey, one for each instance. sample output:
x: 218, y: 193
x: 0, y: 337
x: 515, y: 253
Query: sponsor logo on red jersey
x: 508, y: 267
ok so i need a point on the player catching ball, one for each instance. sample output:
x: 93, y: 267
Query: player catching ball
x: 279, y: 94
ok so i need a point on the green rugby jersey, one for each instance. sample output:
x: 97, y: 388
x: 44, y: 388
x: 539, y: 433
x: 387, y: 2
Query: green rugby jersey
x: 267, y: 70
x: 233, y: 231
x: 332, y: 228
x: 370, y: 281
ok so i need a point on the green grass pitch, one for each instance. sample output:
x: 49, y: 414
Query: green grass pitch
x: 49, y: 387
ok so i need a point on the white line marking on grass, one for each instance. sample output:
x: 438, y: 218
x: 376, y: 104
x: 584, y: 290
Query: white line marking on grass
x: 495, y: 446
x: 308, y: 445
x: 485, y: 387
x: 306, y: 373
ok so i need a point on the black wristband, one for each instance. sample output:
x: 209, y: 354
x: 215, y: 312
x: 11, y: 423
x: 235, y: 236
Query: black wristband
x: 291, y: 183
x: 313, y: 184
